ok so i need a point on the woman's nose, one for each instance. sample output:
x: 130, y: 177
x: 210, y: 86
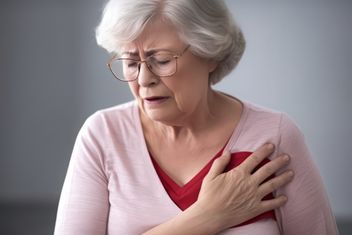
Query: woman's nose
x: 146, y: 77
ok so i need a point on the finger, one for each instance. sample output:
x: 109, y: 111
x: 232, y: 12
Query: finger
x: 272, y: 204
x: 275, y: 183
x: 219, y: 165
x: 257, y: 157
x: 270, y: 168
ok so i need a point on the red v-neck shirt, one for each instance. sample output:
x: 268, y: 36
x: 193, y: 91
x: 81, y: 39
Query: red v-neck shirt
x: 111, y: 186
x: 184, y: 196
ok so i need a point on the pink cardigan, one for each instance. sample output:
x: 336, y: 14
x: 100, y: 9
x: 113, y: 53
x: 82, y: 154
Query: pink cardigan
x: 111, y: 186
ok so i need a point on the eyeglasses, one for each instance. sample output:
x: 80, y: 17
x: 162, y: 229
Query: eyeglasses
x: 161, y: 63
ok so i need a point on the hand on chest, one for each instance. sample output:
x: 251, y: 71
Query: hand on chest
x: 186, y: 194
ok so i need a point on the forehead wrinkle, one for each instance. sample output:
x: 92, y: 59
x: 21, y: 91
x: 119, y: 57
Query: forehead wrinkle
x: 147, y: 53
x: 149, y: 41
x: 136, y: 53
x: 136, y: 48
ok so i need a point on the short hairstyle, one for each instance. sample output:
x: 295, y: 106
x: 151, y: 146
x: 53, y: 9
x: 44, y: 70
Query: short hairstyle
x: 206, y: 25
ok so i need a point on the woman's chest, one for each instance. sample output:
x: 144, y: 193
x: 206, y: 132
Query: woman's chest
x: 140, y: 203
x: 182, y: 163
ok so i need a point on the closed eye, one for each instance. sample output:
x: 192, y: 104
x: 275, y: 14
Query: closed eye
x: 131, y: 64
x: 160, y: 59
x: 163, y: 62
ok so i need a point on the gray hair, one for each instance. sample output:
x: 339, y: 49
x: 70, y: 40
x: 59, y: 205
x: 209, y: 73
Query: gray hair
x: 206, y: 25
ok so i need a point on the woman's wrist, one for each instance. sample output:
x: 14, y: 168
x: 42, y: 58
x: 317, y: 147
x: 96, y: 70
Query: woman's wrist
x: 204, y: 218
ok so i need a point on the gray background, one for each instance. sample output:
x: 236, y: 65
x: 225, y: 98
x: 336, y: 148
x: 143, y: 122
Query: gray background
x: 53, y: 76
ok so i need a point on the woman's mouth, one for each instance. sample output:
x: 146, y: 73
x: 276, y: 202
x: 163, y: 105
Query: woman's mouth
x: 153, y: 100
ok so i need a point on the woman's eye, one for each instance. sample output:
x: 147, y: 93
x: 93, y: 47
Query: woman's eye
x: 131, y: 64
x: 161, y: 60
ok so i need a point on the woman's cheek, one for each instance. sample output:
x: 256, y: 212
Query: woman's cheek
x: 134, y: 89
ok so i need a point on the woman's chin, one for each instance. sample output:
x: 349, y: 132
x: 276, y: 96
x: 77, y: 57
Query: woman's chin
x: 167, y: 117
x: 157, y: 115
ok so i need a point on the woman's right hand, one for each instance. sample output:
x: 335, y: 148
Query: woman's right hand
x: 231, y: 198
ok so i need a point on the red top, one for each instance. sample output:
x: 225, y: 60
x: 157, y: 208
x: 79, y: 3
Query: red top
x: 184, y: 196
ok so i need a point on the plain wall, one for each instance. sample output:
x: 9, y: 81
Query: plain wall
x: 53, y: 76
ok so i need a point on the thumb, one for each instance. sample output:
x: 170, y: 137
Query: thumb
x: 219, y: 165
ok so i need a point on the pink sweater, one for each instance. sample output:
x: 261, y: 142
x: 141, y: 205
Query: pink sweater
x: 111, y: 186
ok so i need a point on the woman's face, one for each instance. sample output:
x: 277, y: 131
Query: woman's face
x: 175, y: 98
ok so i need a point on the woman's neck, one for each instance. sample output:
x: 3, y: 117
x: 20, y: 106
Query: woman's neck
x: 202, y: 121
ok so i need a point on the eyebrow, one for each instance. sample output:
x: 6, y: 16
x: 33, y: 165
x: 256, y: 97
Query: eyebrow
x: 147, y: 53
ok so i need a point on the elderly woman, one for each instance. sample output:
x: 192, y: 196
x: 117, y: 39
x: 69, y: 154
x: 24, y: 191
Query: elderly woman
x: 183, y: 158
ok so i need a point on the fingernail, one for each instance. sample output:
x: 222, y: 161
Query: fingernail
x: 286, y: 157
x: 270, y: 146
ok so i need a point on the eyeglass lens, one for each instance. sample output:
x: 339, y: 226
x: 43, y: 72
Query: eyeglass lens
x: 160, y: 64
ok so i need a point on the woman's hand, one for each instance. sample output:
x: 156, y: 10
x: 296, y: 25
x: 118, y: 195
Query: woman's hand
x: 230, y: 198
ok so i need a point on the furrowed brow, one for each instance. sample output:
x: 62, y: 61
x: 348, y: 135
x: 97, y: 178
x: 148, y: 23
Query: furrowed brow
x: 147, y: 53
x: 130, y: 53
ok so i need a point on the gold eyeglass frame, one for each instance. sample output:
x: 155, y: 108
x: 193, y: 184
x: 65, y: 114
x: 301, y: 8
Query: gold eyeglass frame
x: 175, y: 56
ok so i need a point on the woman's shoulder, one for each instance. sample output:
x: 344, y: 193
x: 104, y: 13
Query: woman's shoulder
x: 121, y: 112
x: 109, y: 121
x: 266, y: 116
x: 124, y: 109
x: 262, y: 124
x: 257, y: 109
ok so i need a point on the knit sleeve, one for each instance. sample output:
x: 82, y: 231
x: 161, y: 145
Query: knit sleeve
x: 84, y: 204
x: 307, y: 211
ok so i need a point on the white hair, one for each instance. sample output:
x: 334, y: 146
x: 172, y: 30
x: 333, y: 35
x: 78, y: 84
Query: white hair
x: 206, y: 25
